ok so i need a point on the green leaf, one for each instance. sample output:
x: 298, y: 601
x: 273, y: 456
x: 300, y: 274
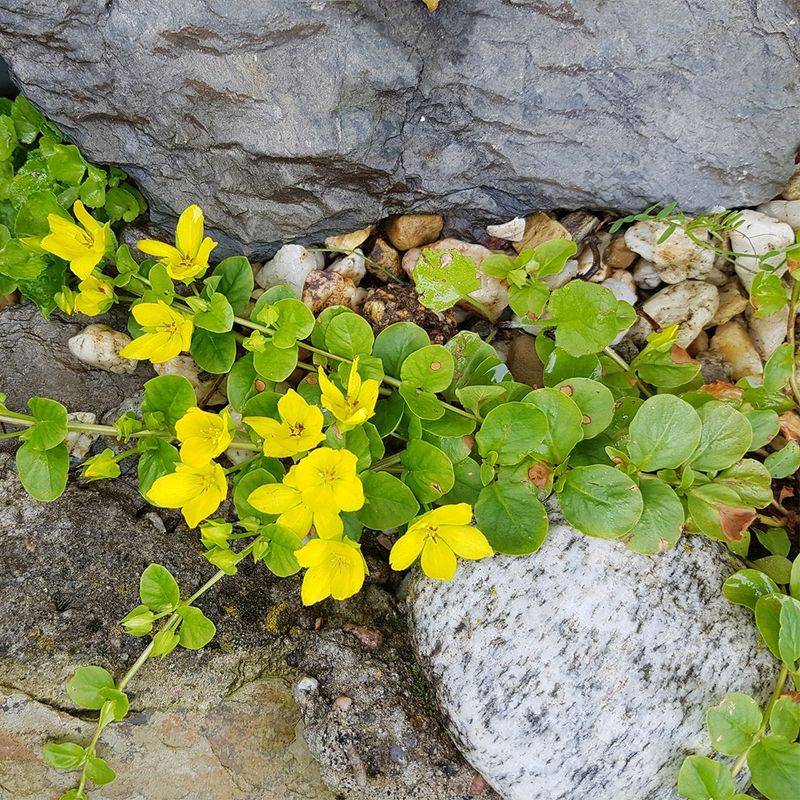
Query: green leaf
x: 725, y: 437
x: 733, y: 723
x: 213, y: 352
x: 65, y: 164
x: 776, y: 540
x: 241, y: 382
x: 784, y: 720
x: 50, y: 429
x: 794, y: 579
x: 164, y: 642
x: 750, y: 480
x: 388, y: 502
x: 512, y: 430
x: 293, y: 321
x: 512, y: 518
x: 196, y: 629
x: 664, y: 433
x: 528, y: 301
x: 8, y: 138
x: 768, y: 616
x: 719, y: 512
x: 775, y: 767
x: 236, y: 281
x: 467, y: 485
x: 765, y: 425
x: 158, y: 589
x: 121, y: 204
x: 119, y: 702
x: 64, y: 756
x: 275, y: 363
x: 703, y: 778
x: 43, y: 473
x: 564, y: 423
x: 218, y: 318
x: 778, y: 368
x: 31, y: 221
x: 767, y: 294
x: 349, y: 335
x: 476, y: 363
x: 396, y: 342
x: 442, y: 282
x: 551, y: 257
x: 279, y: 557
x: 559, y: 366
x: 85, y: 685
x: 661, y: 523
x: 323, y: 320
x: 166, y: 399
x: 244, y: 487
x: 784, y: 462
x: 595, y: 402
x: 429, y: 472
x: 158, y: 458
x: 423, y: 404
x: 600, y: 501
x: 578, y: 302
x: 98, y: 771
x: 747, y: 586
x: 789, y: 634
x: 429, y: 368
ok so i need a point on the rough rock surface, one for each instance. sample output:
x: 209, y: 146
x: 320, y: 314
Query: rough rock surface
x: 288, y: 119
x: 585, y: 670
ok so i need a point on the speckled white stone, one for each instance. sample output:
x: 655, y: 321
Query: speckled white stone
x: 584, y: 671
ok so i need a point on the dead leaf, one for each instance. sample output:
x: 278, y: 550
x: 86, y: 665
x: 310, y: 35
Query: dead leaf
x: 735, y: 521
x: 539, y: 475
x: 432, y: 5
x: 722, y: 390
x: 790, y: 425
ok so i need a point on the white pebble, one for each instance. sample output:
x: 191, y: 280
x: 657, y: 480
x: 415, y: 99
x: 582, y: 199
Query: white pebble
x: 290, y: 265
x: 99, y: 346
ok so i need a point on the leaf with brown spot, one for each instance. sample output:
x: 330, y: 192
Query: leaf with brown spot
x: 722, y: 390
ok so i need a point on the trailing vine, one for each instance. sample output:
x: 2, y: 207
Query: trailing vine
x: 332, y: 433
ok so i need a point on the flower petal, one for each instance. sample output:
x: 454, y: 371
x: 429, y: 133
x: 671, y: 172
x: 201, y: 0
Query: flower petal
x: 316, y: 585
x: 189, y: 230
x: 274, y: 498
x: 161, y: 250
x: 454, y: 514
x: 406, y: 550
x: 465, y: 541
x: 173, y: 490
x: 293, y: 408
x: 86, y: 219
x: 153, y: 315
x: 438, y: 560
x: 328, y: 524
x: 347, y: 577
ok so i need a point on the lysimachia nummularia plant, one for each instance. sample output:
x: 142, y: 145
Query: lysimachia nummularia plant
x: 332, y: 433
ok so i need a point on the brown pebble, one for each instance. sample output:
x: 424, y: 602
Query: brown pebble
x: 414, y: 230
x: 318, y: 623
x: 369, y: 637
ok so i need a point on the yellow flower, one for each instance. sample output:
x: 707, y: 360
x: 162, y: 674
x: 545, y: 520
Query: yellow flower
x: 300, y: 431
x: 334, y: 568
x: 440, y: 535
x: 314, y: 491
x: 82, y: 246
x: 167, y: 333
x: 203, y: 436
x: 359, y: 404
x: 196, y: 491
x: 189, y: 257
x: 96, y: 296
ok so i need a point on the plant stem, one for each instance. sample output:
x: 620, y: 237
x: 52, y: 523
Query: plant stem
x: 386, y: 462
x: 759, y: 734
x: 26, y: 421
x: 617, y: 358
x: 103, y: 720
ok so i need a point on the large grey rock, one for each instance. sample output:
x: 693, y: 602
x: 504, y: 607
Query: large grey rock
x: 297, y: 118
x: 585, y: 671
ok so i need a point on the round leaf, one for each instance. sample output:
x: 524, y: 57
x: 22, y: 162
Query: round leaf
x: 661, y: 523
x: 388, y: 502
x: 564, y: 423
x: 349, y: 335
x: 396, y: 342
x: 512, y: 518
x: 512, y: 430
x: 601, y: 501
x: 213, y: 352
x: 429, y: 368
x: 158, y: 590
x: 85, y: 685
x: 595, y: 402
x: 196, y: 630
x: 275, y: 363
x: 725, y: 437
x: 429, y: 472
x: 733, y: 723
x: 664, y: 433
x: 43, y: 473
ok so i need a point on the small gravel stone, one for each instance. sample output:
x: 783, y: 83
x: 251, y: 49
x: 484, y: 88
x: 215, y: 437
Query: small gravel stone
x: 523, y: 361
x: 99, y: 346
x: 758, y: 234
x: 541, y: 227
x: 675, y: 259
x: 352, y: 266
x: 618, y: 255
x: 622, y: 290
x: 326, y: 288
x: 690, y: 304
x: 350, y: 241
x: 732, y: 301
x: 580, y: 224
x: 80, y: 442
x: 387, y: 257
x: 290, y: 265
x: 511, y: 231
x: 792, y: 189
x: 787, y: 211
x: 646, y: 275
x: 414, y: 230
x: 713, y: 366
x: 767, y: 333
x: 733, y: 343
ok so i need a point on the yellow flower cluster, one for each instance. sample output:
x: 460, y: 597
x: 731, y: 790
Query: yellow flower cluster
x: 358, y: 405
x: 198, y: 485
